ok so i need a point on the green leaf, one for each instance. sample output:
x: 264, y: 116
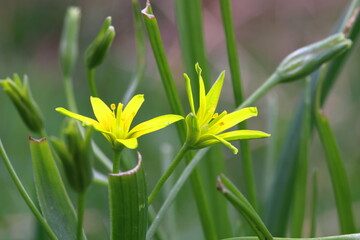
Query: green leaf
x: 235, y: 197
x: 337, y: 174
x: 339, y: 237
x: 54, y: 202
x: 128, y: 204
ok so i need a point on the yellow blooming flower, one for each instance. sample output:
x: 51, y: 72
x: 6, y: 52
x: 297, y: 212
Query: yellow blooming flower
x: 114, y: 122
x: 205, y: 127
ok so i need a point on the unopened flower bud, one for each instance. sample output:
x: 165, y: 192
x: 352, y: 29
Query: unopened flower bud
x: 98, y: 49
x: 20, y: 94
x: 69, y: 40
x: 74, y: 153
x: 305, y: 60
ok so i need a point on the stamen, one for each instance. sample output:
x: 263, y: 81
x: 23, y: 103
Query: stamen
x: 113, y: 106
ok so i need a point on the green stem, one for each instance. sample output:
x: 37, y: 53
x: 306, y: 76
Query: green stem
x: 116, y: 161
x: 69, y: 93
x: 91, y: 80
x: 174, y: 191
x: 141, y: 53
x: 339, y: 237
x: 264, y: 88
x: 168, y: 172
x: 80, y: 214
x: 24, y: 194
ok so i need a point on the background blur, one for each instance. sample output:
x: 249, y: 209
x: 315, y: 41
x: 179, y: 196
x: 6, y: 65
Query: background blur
x: 266, y: 30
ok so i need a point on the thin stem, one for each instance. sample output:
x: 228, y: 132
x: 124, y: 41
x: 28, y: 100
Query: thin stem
x: 116, y: 161
x: 69, y: 93
x: 80, y: 215
x: 174, y: 191
x: 141, y: 53
x: 91, y: 79
x: 264, y: 88
x: 168, y: 173
x: 24, y: 194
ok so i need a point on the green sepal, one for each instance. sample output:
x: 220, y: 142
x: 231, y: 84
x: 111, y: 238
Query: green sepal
x: 69, y: 40
x: 54, y: 201
x: 192, y: 130
x: 128, y: 204
x: 305, y: 60
x: 74, y: 153
x: 20, y: 94
x: 97, y: 50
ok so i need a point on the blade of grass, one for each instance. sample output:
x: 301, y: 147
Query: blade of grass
x: 24, y: 194
x: 339, y: 237
x: 54, y: 201
x: 189, y: 22
x: 174, y: 191
x: 299, y: 196
x: 314, y: 204
x: 141, y: 53
x: 228, y: 189
x: 232, y: 52
x: 337, y: 174
x: 128, y: 203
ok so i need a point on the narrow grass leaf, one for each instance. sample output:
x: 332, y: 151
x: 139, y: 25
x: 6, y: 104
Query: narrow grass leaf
x: 233, y: 59
x: 128, y: 204
x: 55, y: 204
x: 228, y: 189
x: 299, y: 197
x: 338, y: 175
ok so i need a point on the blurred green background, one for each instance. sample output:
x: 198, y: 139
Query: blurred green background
x: 266, y: 30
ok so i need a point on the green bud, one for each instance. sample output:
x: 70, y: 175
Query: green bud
x: 20, y: 94
x: 305, y: 60
x: 69, y: 40
x: 74, y: 153
x: 192, y: 129
x: 98, y: 49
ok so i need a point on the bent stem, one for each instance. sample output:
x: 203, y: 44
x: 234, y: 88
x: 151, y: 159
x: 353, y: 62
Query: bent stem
x: 80, y: 214
x: 168, y: 173
x: 90, y: 72
x: 24, y: 194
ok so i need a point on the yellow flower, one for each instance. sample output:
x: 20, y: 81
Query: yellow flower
x: 205, y: 127
x: 114, y: 122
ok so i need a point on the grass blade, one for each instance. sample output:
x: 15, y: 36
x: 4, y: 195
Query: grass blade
x: 128, y: 204
x: 299, y: 196
x: 55, y: 204
x: 338, y: 175
x: 232, y: 53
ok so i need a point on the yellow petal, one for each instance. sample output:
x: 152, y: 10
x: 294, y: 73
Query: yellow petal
x: 189, y: 93
x: 243, y: 134
x: 202, y: 97
x: 83, y: 119
x: 154, y: 125
x: 130, y: 111
x: 232, y: 119
x: 212, y: 98
x: 131, y: 143
x: 103, y: 113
